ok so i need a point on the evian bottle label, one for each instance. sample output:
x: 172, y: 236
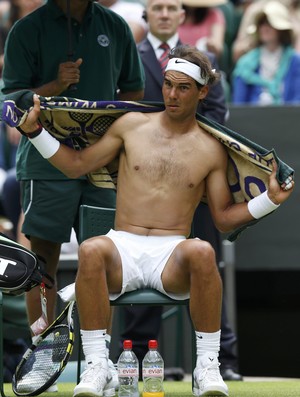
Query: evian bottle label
x: 123, y: 372
x: 151, y: 372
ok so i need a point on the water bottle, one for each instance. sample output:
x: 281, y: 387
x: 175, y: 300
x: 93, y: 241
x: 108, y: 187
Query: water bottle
x: 153, y: 372
x: 128, y: 372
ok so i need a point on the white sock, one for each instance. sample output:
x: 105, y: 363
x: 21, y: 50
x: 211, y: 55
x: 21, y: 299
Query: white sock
x: 93, y: 345
x: 207, y: 343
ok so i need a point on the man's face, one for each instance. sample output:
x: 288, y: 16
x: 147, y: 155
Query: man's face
x: 181, y: 94
x: 164, y: 17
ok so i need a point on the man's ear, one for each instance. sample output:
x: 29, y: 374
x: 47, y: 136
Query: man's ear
x: 182, y: 16
x: 144, y: 15
x: 203, y: 92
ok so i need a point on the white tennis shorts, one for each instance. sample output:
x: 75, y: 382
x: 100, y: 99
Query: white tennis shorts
x: 143, y: 260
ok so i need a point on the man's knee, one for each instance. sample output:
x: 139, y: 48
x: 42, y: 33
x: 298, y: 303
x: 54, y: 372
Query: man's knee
x: 95, y: 253
x: 200, y: 250
x: 201, y: 256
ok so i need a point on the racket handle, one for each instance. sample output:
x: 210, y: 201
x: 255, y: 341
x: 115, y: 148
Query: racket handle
x: 72, y: 87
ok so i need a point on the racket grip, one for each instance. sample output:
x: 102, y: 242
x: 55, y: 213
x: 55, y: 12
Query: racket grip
x: 72, y: 87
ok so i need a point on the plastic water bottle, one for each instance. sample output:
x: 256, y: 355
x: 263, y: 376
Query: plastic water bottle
x: 128, y: 372
x: 153, y: 372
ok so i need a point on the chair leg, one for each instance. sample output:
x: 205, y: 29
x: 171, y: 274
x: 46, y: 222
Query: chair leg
x: 1, y: 348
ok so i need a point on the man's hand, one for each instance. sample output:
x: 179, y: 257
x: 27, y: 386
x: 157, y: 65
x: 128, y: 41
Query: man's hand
x: 278, y: 194
x: 31, y: 124
x: 68, y: 74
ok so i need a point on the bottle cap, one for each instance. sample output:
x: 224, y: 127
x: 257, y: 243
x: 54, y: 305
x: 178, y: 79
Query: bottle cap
x: 127, y: 344
x: 152, y: 344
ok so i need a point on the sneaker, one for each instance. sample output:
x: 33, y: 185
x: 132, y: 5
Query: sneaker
x: 207, y: 378
x: 114, y: 373
x: 96, y: 381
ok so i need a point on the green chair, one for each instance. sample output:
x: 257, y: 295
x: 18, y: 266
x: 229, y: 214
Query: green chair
x: 98, y: 221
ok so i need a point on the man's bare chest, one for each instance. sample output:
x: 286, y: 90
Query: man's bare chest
x: 167, y: 161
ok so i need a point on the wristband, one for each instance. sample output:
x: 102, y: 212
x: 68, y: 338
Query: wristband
x: 32, y: 134
x: 46, y: 144
x: 261, y: 205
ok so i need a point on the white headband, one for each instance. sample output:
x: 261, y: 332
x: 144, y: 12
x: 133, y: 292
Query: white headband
x: 186, y: 67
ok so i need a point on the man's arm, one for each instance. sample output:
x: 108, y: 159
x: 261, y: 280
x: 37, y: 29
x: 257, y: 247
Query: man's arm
x: 68, y: 74
x: 131, y: 95
x: 71, y: 162
x: 228, y: 215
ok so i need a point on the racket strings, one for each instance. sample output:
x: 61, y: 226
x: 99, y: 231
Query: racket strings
x: 45, y: 361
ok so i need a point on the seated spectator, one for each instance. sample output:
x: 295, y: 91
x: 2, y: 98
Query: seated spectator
x: 204, y: 25
x: 249, y: 9
x: 270, y: 73
x: 132, y: 12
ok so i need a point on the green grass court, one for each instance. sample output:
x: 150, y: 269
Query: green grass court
x: 286, y: 388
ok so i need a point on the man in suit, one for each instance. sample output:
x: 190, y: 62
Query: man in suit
x: 143, y: 323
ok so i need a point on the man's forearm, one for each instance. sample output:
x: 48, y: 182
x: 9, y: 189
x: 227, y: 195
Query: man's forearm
x: 131, y: 95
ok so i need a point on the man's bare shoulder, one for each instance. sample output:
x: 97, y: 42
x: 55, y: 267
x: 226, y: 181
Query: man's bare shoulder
x: 131, y: 121
x: 211, y: 149
x: 211, y: 142
x: 134, y: 118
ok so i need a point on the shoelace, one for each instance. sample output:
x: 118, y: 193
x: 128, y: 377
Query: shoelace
x: 210, y: 373
x: 95, y: 374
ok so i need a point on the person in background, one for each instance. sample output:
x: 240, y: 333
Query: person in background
x: 295, y: 16
x: 95, y: 59
x: 269, y: 74
x: 11, y: 12
x: 245, y: 40
x: 204, y: 25
x: 143, y: 323
x: 8, y: 150
x: 10, y: 192
x: 132, y: 12
x: 10, y: 201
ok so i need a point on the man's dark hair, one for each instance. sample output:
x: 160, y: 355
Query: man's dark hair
x: 193, y: 55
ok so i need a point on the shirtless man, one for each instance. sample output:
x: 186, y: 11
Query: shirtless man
x: 166, y: 163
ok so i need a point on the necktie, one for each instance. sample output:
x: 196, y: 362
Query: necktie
x: 163, y: 59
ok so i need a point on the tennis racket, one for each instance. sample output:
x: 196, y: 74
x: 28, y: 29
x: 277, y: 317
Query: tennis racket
x: 47, y: 357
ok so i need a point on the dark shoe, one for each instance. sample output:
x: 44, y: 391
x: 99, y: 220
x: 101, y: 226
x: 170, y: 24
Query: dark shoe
x: 229, y: 374
x: 174, y: 374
